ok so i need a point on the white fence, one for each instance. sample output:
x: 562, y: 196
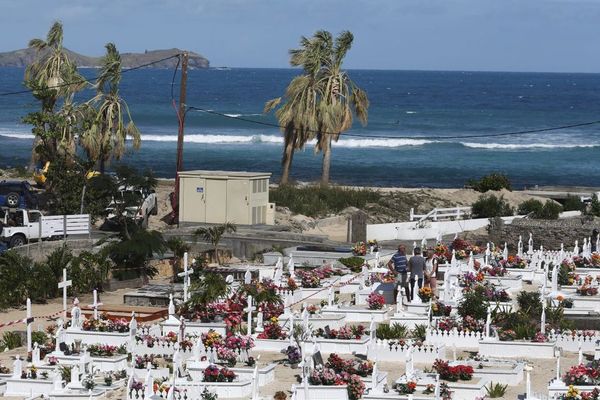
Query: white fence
x: 441, y: 213
x: 454, y: 338
x: 391, y: 350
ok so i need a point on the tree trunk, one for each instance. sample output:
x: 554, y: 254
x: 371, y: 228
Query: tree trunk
x: 217, y: 254
x: 326, y: 148
x: 286, y: 162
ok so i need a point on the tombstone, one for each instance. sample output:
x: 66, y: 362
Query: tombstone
x: 247, y: 277
x: 471, y: 263
x: 278, y: 271
x: 149, y: 385
x: 415, y: 293
x: 576, y: 248
x: 399, y: 301
x: 358, y: 227
x: 528, y: 393
x: 186, y: 274
x: 76, y: 315
x: 29, y: 320
x: 172, y: 319
x: 17, y: 368
x: 74, y: 382
x: 373, y: 328
x: 291, y: 265
x: 259, y: 322
x: 436, y: 392
x: 543, y: 317
x: 453, y: 261
x: 410, y: 367
x: 133, y: 325
x: 255, y: 380
x: 317, y: 357
x: 249, y: 310
x: 488, y: 321
x: 364, y: 271
x: 530, y: 244
x: 374, y: 380
x: 287, y: 309
x: 305, y: 320
x: 95, y: 305
x: 35, y: 354
x: 330, y: 297
x: 505, y: 251
x: 57, y: 382
x: 64, y: 285
x: 291, y: 322
x: 520, y: 247
x: 554, y: 279
x: 59, y: 337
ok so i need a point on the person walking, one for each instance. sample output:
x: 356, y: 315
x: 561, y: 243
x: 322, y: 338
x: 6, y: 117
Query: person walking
x: 431, y: 270
x: 398, y: 264
x: 416, y: 267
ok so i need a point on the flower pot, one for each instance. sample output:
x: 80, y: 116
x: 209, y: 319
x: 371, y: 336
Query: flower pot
x: 293, y: 365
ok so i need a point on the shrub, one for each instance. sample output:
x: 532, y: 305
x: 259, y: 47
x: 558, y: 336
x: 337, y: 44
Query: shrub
x: 394, y: 331
x: 353, y: 263
x: 531, y: 206
x: 551, y: 210
x: 317, y: 201
x: 572, y: 203
x: 11, y: 340
x: 490, y: 206
x: 493, y: 181
x: 594, y: 208
x: 474, y: 304
x: 495, y: 390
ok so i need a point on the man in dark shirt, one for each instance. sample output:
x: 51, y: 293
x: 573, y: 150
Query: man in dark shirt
x: 398, y: 264
x: 416, y: 267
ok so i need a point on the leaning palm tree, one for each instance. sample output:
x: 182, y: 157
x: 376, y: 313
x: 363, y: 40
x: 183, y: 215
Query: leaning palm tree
x: 105, y: 140
x: 54, y: 79
x: 297, y: 111
x: 340, y: 97
x: 213, y: 235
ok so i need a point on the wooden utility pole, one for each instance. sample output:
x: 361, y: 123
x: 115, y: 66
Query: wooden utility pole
x: 181, y: 117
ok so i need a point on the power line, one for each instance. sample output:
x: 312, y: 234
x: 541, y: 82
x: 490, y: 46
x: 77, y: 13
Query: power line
x: 91, y: 80
x: 513, y: 133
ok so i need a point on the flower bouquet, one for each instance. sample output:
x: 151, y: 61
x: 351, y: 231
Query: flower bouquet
x: 359, y: 249
x: 375, y: 301
x: 425, y: 294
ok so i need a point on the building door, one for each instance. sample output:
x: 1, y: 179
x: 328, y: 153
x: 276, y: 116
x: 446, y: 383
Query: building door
x: 192, y: 200
x: 216, y: 201
x: 238, y: 201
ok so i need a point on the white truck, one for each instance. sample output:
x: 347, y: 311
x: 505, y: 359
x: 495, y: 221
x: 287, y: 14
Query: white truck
x: 143, y: 204
x: 19, y: 226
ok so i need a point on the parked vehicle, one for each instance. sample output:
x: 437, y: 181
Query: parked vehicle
x: 20, y: 226
x: 17, y: 194
x: 140, y: 204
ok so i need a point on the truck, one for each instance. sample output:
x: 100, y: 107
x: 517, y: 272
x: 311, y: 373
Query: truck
x: 20, y: 226
x: 141, y: 203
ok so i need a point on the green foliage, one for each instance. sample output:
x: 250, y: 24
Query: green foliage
x: 132, y: 250
x: 594, y: 208
x: 14, y: 278
x: 210, y: 287
x: 316, y: 201
x: 208, y: 395
x: 573, y: 203
x: 213, y: 235
x: 473, y: 304
x: 529, y: 302
x: 353, y: 263
x: 420, y: 332
x: 490, y: 206
x: 11, y: 340
x: 495, y: 390
x: 88, y: 271
x: 538, y: 210
x: 394, y: 331
x: 39, y: 337
x: 494, y: 181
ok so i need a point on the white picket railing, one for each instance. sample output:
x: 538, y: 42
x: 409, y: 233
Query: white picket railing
x: 392, y: 350
x: 440, y: 213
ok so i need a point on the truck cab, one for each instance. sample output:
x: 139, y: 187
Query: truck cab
x: 18, y: 226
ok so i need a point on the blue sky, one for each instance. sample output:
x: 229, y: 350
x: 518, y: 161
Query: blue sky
x: 496, y: 35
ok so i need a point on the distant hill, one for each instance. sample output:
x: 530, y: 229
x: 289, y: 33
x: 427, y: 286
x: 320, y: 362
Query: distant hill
x: 23, y: 57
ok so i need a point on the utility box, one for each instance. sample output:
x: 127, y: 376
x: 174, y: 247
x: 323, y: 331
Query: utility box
x: 216, y: 197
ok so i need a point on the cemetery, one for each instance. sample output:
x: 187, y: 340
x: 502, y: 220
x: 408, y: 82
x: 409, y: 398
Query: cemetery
x: 323, y: 330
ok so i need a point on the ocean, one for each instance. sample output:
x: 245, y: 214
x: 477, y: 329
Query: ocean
x: 409, y: 104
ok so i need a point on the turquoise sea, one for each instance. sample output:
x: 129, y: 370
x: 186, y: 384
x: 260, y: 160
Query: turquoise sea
x: 411, y: 104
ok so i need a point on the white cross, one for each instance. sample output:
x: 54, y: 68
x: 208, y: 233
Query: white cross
x: 187, y: 272
x: 249, y: 310
x: 95, y: 305
x: 64, y: 285
x: 28, y: 321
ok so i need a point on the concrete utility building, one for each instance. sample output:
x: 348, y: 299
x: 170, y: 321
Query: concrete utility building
x: 225, y: 196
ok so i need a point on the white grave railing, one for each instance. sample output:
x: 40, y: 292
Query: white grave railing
x: 454, y: 338
x: 441, y: 213
x: 392, y: 350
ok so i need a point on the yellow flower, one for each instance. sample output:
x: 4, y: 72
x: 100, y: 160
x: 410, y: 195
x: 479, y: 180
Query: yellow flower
x: 274, y: 319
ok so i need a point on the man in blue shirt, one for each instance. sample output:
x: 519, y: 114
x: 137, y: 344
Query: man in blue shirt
x: 398, y: 264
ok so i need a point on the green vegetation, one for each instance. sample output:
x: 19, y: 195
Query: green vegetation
x: 494, y: 181
x: 495, y: 390
x: 213, y: 235
x: 394, y: 331
x: 490, y: 206
x: 320, y: 103
x: 10, y: 340
x: 573, y: 203
x: 538, y: 210
x: 474, y: 304
x: 594, y: 207
x: 316, y: 201
x: 353, y: 263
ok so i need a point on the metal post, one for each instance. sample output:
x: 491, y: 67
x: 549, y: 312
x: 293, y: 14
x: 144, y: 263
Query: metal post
x: 181, y: 116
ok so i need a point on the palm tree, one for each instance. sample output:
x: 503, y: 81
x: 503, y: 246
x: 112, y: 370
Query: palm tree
x: 340, y: 97
x: 297, y: 113
x: 213, y: 235
x: 179, y: 248
x: 53, y: 76
x: 106, y: 138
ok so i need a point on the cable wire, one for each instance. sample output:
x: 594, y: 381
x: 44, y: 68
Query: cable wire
x: 91, y: 80
x: 513, y: 133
